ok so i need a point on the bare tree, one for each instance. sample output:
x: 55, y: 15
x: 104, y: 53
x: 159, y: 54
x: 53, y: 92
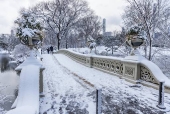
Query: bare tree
x: 112, y: 42
x: 64, y: 18
x: 148, y: 13
x: 12, y: 42
x: 62, y: 15
x: 89, y: 25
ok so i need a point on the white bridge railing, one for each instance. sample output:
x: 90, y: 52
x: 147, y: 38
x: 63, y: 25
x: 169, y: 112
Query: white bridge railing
x: 30, y: 87
x: 135, y: 71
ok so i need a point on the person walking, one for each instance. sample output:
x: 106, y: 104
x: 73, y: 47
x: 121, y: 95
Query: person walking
x: 48, y: 50
x: 51, y: 49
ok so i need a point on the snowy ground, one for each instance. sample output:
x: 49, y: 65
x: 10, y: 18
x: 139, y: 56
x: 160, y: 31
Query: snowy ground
x: 63, y: 94
x: 70, y: 89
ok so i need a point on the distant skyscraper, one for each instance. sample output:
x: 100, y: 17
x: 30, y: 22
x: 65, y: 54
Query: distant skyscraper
x: 12, y: 33
x: 104, y: 26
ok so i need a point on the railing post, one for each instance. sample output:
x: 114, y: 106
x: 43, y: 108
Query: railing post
x: 41, y: 83
x: 89, y: 61
x: 98, y: 101
x: 161, y: 96
x: 131, y: 70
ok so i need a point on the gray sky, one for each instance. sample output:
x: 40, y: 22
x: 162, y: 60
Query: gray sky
x: 111, y: 10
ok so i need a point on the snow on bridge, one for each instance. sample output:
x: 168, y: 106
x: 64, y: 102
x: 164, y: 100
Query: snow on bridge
x: 69, y: 87
x: 27, y: 101
x: 63, y: 94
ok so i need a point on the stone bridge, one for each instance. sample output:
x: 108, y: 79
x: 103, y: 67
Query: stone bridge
x: 134, y: 69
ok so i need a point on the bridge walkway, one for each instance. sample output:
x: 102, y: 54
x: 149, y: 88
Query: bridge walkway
x: 70, y: 86
x: 63, y: 93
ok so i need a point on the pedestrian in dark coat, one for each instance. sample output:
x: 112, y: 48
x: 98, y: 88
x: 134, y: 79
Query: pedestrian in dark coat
x: 51, y: 49
x: 48, y: 50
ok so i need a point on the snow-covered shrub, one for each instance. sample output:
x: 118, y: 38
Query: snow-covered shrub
x: 163, y: 61
x: 91, y: 43
x: 21, y: 52
x: 103, y: 53
x: 28, y: 28
x: 86, y: 52
x: 97, y: 52
x: 136, y: 30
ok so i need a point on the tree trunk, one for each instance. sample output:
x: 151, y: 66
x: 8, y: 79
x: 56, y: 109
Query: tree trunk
x: 58, y: 44
x: 150, y: 49
x: 58, y: 41
x: 112, y: 50
x: 150, y: 43
x: 66, y: 44
x: 145, y: 48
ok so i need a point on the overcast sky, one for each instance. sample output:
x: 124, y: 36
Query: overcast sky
x: 111, y: 10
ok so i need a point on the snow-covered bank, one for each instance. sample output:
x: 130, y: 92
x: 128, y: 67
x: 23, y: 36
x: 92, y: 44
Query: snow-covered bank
x: 63, y: 94
x: 137, y: 97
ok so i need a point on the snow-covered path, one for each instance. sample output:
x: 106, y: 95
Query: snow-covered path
x: 70, y: 89
x: 119, y: 96
x: 63, y: 94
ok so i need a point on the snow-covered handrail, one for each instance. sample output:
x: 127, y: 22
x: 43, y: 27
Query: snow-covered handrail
x: 28, y: 96
x: 153, y: 73
x: 30, y: 86
x: 133, y: 69
x: 76, y: 56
